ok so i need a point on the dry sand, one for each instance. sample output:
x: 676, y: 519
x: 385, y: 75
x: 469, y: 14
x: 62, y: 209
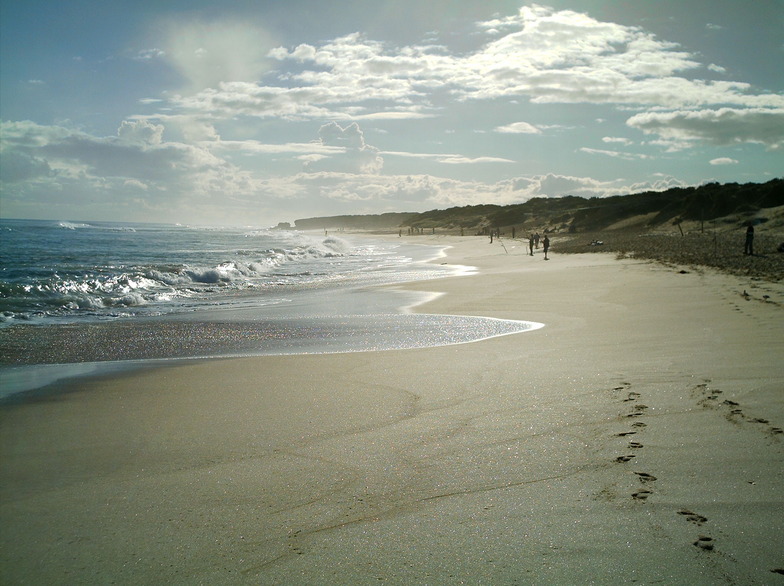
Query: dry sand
x: 636, y: 438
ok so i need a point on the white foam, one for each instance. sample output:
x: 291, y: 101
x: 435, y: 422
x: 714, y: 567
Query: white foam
x: 73, y: 225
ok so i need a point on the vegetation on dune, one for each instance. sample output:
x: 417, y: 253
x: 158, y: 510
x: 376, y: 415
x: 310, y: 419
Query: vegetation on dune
x: 692, y: 226
x: 578, y: 214
x: 648, y: 210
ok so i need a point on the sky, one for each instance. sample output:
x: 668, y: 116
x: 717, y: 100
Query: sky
x: 262, y: 111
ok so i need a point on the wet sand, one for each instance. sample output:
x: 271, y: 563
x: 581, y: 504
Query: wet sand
x: 636, y: 437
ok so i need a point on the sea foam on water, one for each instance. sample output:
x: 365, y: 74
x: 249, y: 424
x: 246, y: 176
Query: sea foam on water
x: 75, y: 294
x: 70, y: 271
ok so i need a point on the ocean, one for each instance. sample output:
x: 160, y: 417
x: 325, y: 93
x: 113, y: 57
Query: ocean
x: 82, y: 297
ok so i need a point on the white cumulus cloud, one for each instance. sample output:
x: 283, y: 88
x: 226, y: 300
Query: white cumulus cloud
x: 540, y: 54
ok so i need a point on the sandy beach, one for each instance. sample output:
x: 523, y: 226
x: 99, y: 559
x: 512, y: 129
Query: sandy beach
x: 636, y: 438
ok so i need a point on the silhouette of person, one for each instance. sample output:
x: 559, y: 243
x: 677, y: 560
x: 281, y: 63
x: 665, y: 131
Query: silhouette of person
x: 546, y: 246
x: 531, y: 244
x: 749, y: 247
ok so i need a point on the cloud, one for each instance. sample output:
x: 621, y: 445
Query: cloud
x: 461, y: 160
x: 448, y: 158
x: 237, y: 98
x: 311, y: 158
x: 136, y: 183
x: 16, y: 167
x: 393, y: 193
x: 207, y: 52
x: 354, y: 156
x: 723, y: 161
x: 571, y: 43
x: 350, y: 137
x: 557, y: 185
x: 149, y: 54
x: 140, y: 172
x: 299, y: 149
x: 568, y: 57
x: 614, y: 154
x: 412, y: 114
x: 140, y: 132
x: 541, y: 55
x: 617, y: 139
x: 518, y: 128
x: 55, y: 165
x: 238, y: 83
x: 724, y: 126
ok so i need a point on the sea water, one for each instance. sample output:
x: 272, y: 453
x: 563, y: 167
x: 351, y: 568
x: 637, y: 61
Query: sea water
x: 74, y: 295
x: 73, y: 272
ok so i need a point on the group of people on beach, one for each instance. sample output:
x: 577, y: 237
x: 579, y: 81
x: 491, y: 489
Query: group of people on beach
x: 533, y: 242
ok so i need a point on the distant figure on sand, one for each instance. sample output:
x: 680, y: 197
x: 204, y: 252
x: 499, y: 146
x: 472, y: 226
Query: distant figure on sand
x: 531, y: 244
x: 749, y: 248
x: 536, y: 240
x: 546, y: 246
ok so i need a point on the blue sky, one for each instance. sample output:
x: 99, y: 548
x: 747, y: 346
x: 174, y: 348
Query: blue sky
x: 256, y: 112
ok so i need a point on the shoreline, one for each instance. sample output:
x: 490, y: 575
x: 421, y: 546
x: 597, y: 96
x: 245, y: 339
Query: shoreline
x: 646, y: 416
x: 37, y: 355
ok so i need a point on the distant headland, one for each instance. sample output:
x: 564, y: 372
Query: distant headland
x: 733, y: 202
x: 686, y: 227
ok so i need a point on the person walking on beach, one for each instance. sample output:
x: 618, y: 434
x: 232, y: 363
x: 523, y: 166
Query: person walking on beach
x: 546, y: 246
x: 749, y: 248
x: 531, y: 244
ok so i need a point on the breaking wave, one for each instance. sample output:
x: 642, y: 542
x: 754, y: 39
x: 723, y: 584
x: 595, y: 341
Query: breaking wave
x: 67, y: 269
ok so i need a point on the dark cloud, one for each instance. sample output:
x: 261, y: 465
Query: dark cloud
x: 724, y: 126
x: 20, y: 166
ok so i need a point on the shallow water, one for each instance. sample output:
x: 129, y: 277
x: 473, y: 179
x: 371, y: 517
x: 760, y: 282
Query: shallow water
x: 72, y: 309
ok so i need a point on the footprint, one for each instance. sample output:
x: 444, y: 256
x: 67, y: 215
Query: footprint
x: 704, y: 542
x: 645, y: 477
x: 707, y: 394
x: 624, y: 458
x: 692, y: 517
x: 641, y: 495
x: 625, y: 433
x: 638, y: 410
x: 639, y: 424
x: 632, y: 397
x: 635, y: 445
x: 623, y: 385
